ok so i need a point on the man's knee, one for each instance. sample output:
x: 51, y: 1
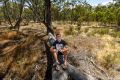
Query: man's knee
x: 65, y: 52
x: 51, y: 50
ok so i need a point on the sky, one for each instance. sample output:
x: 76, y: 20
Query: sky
x: 96, y: 2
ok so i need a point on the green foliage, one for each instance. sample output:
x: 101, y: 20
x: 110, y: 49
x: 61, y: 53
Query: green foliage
x: 118, y: 16
x: 79, y: 21
x: 65, y: 10
x: 1, y: 14
x: 110, y: 17
x: 27, y: 14
x: 102, y: 31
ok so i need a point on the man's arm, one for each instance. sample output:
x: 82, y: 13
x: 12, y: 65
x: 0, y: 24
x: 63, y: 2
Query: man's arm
x: 52, y: 49
x: 65, y: 47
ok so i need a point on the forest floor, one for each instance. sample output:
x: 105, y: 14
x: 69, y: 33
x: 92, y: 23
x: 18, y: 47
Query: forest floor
x: 22, y: 54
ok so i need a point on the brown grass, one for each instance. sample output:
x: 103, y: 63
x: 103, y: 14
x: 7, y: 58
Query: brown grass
x: 21, y: 57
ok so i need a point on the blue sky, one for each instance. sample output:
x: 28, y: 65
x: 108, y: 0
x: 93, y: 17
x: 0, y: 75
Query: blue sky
x: 96, y: 2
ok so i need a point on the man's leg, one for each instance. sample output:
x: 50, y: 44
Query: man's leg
x: 54, y: 53
x: 55, y: 57
x: 65, y: 57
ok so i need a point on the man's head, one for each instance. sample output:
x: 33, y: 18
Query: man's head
x: 58, y: 36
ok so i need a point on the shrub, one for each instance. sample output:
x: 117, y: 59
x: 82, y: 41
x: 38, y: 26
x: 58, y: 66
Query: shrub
x: 86, y: 30
x: 110, y: 60
x: 115, y: 33
x: 101, y: 31
x: 71, y: 31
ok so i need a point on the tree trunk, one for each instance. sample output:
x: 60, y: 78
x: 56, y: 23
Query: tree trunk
x: 48, y: 16
x: 47, y: 22
x: 51, y: 73
x: 48, y: 75
x: 17, y: 25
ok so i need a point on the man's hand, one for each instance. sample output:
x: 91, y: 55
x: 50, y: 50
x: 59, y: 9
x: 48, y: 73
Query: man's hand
x: 63, y: 50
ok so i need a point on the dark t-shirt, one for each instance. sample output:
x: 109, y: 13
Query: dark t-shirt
x: 59, y: 45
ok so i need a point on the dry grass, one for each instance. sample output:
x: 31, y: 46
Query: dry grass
x: 19, y: 55
x: 109, y: 56
x: 8, y: 35
x: 103, y: 47
x: 24, y: 56
x: 105, y: 51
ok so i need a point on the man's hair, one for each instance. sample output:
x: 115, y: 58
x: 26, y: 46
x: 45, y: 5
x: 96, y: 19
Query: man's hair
x: 58, y: 34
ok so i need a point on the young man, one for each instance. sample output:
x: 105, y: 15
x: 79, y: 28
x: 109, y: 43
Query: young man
x: 59, y: 47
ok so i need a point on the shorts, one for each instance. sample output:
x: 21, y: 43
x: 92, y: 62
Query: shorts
x: 61, y: 57
x: 60, y: 53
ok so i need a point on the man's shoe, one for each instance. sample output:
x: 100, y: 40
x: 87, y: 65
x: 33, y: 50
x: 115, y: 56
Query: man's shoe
x: 56, y: 63
x: 64, y: 66
x: 57, y: 68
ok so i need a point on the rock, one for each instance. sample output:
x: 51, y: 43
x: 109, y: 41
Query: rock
x: 59, y: 75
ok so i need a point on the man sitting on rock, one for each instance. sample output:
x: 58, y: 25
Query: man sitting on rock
x: 59, y: 50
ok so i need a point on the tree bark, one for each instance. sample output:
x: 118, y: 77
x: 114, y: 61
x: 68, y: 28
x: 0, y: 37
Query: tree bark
x: 47, y: 16
x: 48, y: 75
x: 17, y: 25
x: 47, y: 22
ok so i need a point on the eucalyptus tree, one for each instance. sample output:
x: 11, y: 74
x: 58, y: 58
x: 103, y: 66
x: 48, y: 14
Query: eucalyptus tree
x: 37, y: 8
x: 6, y: 11
x: 21, y: 7
x: 9, y: 11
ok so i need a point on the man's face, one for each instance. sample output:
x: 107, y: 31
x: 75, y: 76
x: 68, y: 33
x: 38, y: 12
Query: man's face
x: 58, y: 37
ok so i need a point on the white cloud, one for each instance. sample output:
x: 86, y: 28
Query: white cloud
x: 106, y: 2
x: 96, y: 2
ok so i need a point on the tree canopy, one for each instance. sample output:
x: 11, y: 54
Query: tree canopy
x: 61, y: 10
